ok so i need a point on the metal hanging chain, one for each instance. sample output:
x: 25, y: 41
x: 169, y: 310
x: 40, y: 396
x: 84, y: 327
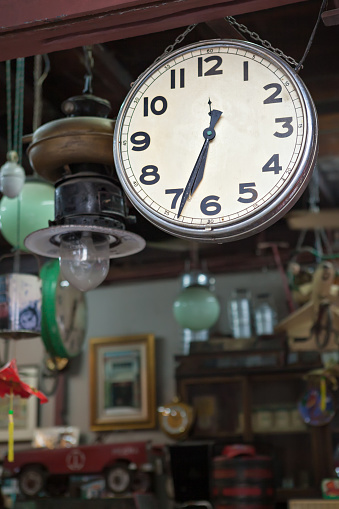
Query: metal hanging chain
x: 243, y: 28
x: 169, y: 48
x: 309, y: 44
x: 178, y: 40
x: 297, y: 65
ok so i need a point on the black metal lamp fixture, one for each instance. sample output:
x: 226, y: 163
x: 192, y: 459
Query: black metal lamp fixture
x: 90, y: 210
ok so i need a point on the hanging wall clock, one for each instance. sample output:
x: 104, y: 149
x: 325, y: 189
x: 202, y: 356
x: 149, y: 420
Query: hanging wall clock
x: 63, y: 325
x: 216, y: 141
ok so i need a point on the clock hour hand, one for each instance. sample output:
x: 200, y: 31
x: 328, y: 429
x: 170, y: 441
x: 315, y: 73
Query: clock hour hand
x: 199, y: 167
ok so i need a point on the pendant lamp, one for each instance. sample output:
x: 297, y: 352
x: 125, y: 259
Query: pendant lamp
x: 91, y: 216
x: 196, y: 309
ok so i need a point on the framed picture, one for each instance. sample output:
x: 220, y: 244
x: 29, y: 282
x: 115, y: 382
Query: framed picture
x: 25, y: 410
x: 122, y: 382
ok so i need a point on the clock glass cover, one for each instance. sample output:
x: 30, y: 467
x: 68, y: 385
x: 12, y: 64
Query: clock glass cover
x: 216, y: 141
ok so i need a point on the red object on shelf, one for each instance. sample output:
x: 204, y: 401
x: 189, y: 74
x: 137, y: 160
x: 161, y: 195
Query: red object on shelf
x: 231, y: 451
x: 10, y: 382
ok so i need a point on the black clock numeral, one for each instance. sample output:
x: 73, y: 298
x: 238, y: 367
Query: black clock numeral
x: 248, y: 188
x: 209, y: 205
x: 149, y: 175
x: 286, y: 124
x: 181, y: 78
x: 141, y: 139
x: 273, y: 98
x: 246, y: 71
x: 273, y: 164
x: 177, y: 193
x: 158, y: 105
x: 213, y: 70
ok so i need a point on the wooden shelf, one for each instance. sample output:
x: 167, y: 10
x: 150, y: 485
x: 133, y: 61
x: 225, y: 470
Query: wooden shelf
x: 284, y: 494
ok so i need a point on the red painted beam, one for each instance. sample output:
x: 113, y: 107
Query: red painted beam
x: 37, y: 26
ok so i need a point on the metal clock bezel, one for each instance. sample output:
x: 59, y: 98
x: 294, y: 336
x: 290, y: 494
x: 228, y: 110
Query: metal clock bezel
x: 279, y: 204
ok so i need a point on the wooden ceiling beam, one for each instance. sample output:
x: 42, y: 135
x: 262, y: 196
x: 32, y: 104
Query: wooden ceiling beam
x: 172, y: 268
x: 36, y: 27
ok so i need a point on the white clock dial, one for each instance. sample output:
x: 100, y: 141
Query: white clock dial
x: 216, y: 141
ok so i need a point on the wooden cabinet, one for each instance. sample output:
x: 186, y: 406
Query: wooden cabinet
x: 252, y: 397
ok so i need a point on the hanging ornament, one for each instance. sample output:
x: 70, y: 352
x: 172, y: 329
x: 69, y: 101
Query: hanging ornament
x: 34, y: 207
x: 12, y: 174
x: 316, y: 405
x: 12, y: 385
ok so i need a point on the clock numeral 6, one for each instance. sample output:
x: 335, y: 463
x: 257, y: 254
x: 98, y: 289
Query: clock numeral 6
x: 213, y: 70
x: 158, y: 105
x: 287, y: 124
x: 149, y: 175
x: 248, y: 188
x: 209, y: 205
x: 141, y: 140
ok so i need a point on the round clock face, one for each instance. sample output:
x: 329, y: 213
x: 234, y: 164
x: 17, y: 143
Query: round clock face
x: 216, y: 141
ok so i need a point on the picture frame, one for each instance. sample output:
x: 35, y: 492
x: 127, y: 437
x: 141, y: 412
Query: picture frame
x: 25, y: 410
x: 122, y: 382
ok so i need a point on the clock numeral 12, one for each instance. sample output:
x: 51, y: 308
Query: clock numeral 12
x: 214, y: 69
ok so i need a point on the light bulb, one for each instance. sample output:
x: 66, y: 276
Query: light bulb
x: 196, y: 308
x: 84, y: 259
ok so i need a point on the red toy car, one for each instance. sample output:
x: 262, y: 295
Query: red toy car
x: 49, y: 469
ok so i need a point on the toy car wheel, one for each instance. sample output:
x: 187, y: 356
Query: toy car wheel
x: 118, y: 479
x: 31, y: 481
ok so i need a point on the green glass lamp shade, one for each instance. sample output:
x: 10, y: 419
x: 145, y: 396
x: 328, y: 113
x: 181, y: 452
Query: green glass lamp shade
x: 36, y: 208
x: 196, y: 308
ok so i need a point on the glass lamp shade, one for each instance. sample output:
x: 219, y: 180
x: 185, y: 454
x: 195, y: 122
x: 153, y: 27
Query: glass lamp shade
x: 36, y: 207
x: 196, y: 308
x: 84, y: 259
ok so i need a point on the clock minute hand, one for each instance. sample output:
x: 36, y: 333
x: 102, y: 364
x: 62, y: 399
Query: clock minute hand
x: 199, y: 167
x: 209, y: 134
x: 187, y: 191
